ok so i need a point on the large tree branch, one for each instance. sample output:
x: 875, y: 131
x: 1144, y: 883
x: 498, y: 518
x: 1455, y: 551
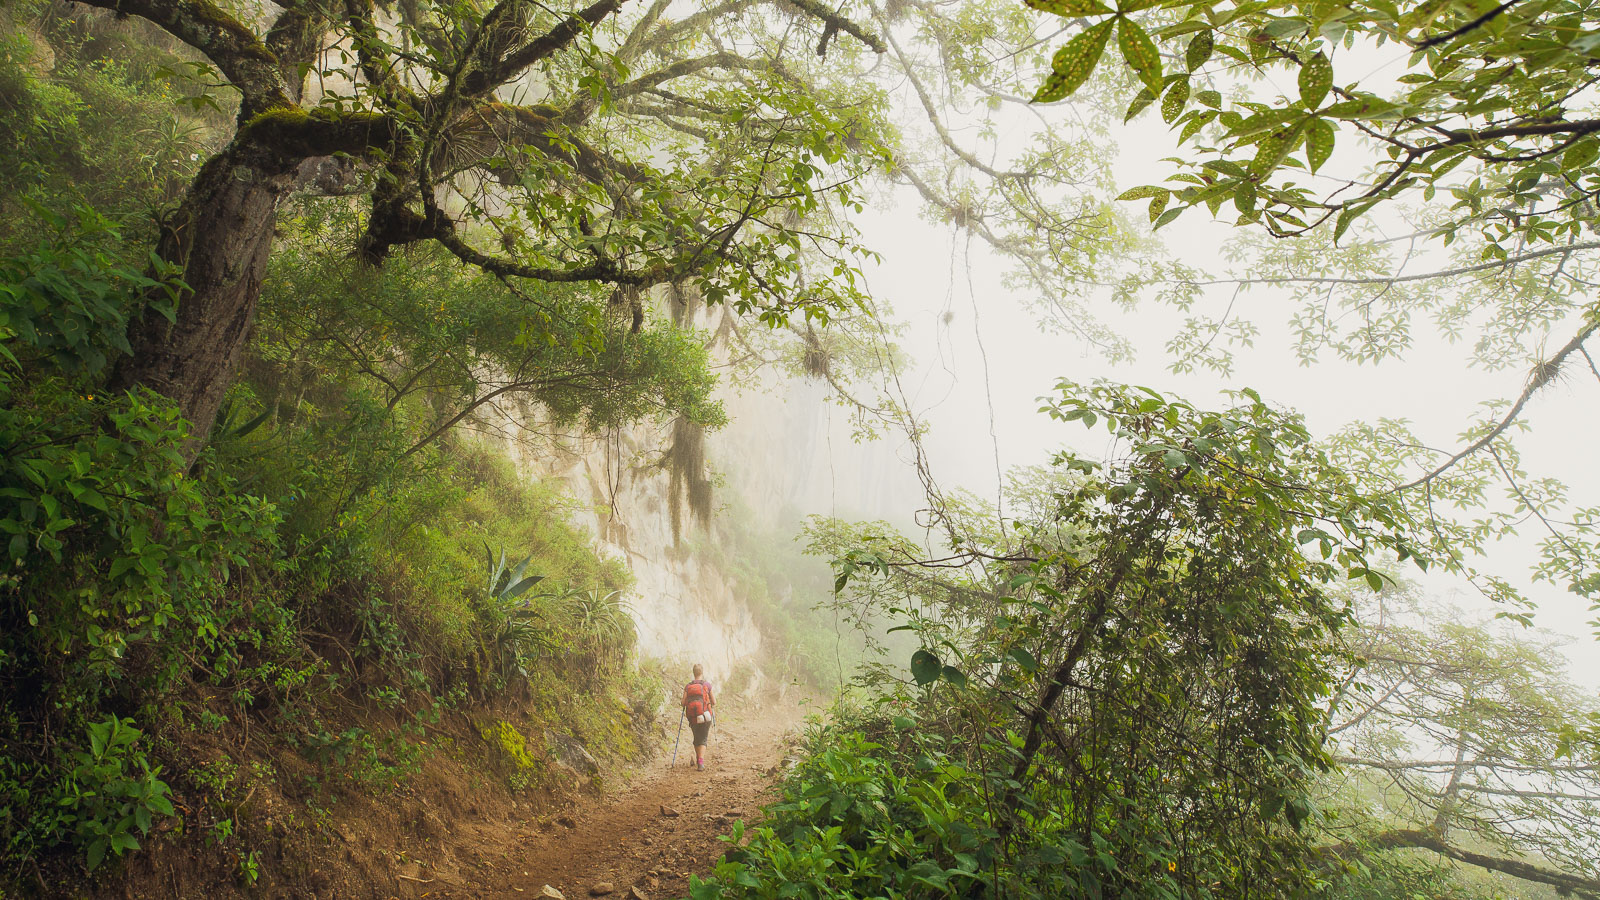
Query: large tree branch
x: 373, y: 57
x: 488, y: 129
x: 601, y: 270
x: 683, y: 68
x: 835, y: 22
x: 696, y: 23
x: 1520, y: 794
x: 1406, y: 838
x: 636, y: 35
x: 908, y: 67
x: 231, y: 45
x: 282, y: 138
x: 295, y: 39
x: 503, y: 26
x: 1445, y: 764
x: 1535, y: 129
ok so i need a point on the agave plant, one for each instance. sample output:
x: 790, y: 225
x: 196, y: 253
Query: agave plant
x: 514, y: 634
x: 599, y: 620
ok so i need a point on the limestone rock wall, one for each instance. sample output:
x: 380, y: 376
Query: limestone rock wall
x: 785, y: 449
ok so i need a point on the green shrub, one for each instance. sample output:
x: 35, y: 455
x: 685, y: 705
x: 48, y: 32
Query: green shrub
x: 861, y: 819
x: 111, y: 792
x: 886, y: 805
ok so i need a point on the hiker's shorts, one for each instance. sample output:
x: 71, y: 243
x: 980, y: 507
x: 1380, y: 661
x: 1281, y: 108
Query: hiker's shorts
x: 702, y: 730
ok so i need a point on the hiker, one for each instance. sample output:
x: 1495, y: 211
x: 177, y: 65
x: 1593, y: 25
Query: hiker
x: 697, y: 705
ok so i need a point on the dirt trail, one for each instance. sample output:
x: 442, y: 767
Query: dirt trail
x: 625, y: 840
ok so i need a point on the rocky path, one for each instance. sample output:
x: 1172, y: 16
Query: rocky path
x: 644, y: 841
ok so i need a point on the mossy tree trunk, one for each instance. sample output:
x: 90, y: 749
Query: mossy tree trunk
x: 220, y: 238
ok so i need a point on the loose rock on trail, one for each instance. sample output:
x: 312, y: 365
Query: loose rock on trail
x: 647, y: 839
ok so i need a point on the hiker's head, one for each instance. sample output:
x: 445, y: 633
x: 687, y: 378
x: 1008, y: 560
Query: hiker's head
x: 698, y: 671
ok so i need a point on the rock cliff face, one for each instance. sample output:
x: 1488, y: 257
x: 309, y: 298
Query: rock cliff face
x: 782, y: 455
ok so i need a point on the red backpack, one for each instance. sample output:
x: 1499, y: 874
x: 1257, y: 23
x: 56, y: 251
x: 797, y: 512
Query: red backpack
x: 695, y: 700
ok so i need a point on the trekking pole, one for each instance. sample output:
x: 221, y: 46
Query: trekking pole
x: 681, y: 715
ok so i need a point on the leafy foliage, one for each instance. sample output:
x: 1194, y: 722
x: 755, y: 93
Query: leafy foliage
x: 1435, y: 165
x: 435, y: 344
x: 82, y: 129
x: 66, y: 298
x: 517, y: 632
x: 99, y: 798
x: 1489, y: 110
x: 1121, y: 696
x: 112, y: 791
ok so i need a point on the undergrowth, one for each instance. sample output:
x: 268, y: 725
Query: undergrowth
x: 296, y: 602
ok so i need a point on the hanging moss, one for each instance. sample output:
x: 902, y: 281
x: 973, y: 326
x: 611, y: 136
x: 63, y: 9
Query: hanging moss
x: 685, y: 302
x: 815, y: 359
x: 686, y: 460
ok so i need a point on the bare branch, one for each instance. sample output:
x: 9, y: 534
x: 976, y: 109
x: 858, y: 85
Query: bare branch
x: 1408, y: 838
x: 1537, y: 379
x: 1399, y: 279
x: 837, y: 22
x: 505, y: 26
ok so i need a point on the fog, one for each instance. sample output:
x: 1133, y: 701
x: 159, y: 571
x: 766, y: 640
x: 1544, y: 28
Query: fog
x: 981, y: 361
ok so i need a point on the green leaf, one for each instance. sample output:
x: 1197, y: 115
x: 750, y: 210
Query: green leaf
x: 925, y: 667
x: 1272, y: 150
x: 1346, y: 216
x: 954, y: 675
x: 1158, y: 203
x: 1360, y: 108
x: 1177, y: 96
x: 1140, y: 193
x: 1144, y: 98
x: 96, y: 854
x: 1074, y: 63
x: 1580, y: 155
x: 1316, y: 78
x: 1271, y: 804
x: 1024, y: 659
x: 1071, y: 8
x: 1140, y: 52
x: 1199, y: 50
x: 1244, y: 198
x: 1319, y: 143
x: 1174, y: 459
